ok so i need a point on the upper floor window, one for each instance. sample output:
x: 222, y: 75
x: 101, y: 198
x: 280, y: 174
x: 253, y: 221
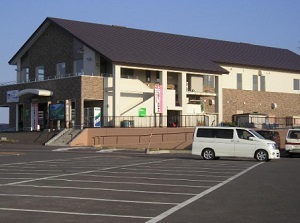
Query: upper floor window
x: 255, y: 82
x: 208, y: 81
x: 262, y: 83
x: 78, y: 67
x: 296, y: 84
x: 60, y: 69
x: 40, y: 73
x: 25, y: 75
x: 126, y: 73
x: 239, y: 81
x: 148, y: 76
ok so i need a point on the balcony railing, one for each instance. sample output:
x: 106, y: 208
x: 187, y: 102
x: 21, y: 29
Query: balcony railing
x: 54, y: 77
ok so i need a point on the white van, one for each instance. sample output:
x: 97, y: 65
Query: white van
x: 213, y: 142
x: 292, y: 142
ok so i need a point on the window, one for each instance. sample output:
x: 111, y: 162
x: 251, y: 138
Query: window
x: 255, y: 82
x: 262, y: 83
x: 60, y: 69
x: 25, y: 75
x: 148, y: 76
x: 239, y: 81
x: 243, y: 134
x: 208, y: 81
x: 296, y: 84
x: 126, y: 73
x: 78, y: 67
x: 215, y: 133
x: 157, y: 76
x: 40, y: 73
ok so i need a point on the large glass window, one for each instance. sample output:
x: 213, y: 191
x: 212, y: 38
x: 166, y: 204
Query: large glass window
x: 208, y: 81
x: 262, y: 83
x: 78, y: 67
x: 126, y: 73
x: 25, y: 75
x: 296, y: 84
x: 255, y: 82
x: 40, y: 73
x: 239, y: 81
x: 60, y: 69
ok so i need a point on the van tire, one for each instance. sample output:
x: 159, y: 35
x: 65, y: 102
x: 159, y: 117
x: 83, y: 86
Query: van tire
x: 261, y: 155
x: 208, y: 154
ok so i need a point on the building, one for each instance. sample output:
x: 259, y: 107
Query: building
x: 79, y: 74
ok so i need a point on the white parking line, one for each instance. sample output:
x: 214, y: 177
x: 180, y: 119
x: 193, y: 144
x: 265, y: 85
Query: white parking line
x: 154, y: 178
x: 85, y: 198
x: 84, y: 172
x: 164, y: 174
x: 131, y: 183
x: 105, y: 189
x: 198, y: 196
x: 73, y: 213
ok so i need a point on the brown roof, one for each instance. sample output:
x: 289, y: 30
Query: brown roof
x: 133, y: 46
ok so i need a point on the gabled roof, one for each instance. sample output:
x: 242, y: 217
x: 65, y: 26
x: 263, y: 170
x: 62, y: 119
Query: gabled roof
x: 134, y: 46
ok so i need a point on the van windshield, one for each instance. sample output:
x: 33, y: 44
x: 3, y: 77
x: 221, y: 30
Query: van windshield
x: 256, y: 134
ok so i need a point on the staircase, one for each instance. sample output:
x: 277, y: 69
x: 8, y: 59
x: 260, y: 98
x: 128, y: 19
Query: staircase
x: 63, y: 138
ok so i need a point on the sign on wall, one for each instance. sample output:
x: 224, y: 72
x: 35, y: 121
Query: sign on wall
x: 12, y: 96
x: 158, y: 99
x: 142, y: 112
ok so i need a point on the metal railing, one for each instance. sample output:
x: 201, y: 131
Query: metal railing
x: 157, y: 121
x: 54, y: 78
x: 266, y: 122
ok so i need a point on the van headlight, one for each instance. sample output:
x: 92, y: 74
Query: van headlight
x: 271, y: 145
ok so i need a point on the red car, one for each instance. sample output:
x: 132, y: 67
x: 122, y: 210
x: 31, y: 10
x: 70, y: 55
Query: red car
x: 270, y: 134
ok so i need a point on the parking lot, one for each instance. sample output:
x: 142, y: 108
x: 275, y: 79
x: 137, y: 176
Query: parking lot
x: 42, y: 185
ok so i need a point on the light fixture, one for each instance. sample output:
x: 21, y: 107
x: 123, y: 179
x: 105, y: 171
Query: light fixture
x: 273, y: 105
x: 80, y: 50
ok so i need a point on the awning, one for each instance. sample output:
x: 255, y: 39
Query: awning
x: 39, y: 92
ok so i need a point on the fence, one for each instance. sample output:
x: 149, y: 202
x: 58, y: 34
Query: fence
x: 199, y: 120
x: 159, y: 121
x: 267, y: 122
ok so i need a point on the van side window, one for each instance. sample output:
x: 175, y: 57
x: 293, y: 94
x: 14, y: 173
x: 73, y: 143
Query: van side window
x: 205, y: 133
x: 243, y: 134
x: 215, y: 133
x: 224, y: 133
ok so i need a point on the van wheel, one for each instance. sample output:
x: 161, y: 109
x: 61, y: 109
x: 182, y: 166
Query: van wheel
x: 208, y: 154
x: 261, y: 155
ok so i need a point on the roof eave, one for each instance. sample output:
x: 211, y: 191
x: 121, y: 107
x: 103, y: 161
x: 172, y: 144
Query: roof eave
x: 207, y: 71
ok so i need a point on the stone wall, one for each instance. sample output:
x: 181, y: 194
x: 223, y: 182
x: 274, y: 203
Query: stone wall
x: 52, y: 47
x: 244, y: 101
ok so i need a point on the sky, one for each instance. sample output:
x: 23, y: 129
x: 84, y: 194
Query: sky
x: 273, y: 23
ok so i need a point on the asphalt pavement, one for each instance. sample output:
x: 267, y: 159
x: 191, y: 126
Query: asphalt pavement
x: 53, y: 184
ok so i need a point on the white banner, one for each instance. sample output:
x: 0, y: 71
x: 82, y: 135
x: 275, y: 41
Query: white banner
x: 158, y: 99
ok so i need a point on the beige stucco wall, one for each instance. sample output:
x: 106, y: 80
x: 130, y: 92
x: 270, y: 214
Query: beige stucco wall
x: 276, y: 81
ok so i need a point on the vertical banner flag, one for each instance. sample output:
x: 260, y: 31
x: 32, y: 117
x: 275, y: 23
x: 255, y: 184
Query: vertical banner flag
x: 158, y: 99
x: 34, y: 116
x: 97, y: 117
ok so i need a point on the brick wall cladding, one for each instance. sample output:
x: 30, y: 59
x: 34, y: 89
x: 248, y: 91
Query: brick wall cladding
x: 74, y: 88
x: 259, y: 101
x: 52, y: 47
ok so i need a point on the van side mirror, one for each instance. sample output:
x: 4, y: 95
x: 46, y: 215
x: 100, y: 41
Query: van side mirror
x: 251, y: 138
